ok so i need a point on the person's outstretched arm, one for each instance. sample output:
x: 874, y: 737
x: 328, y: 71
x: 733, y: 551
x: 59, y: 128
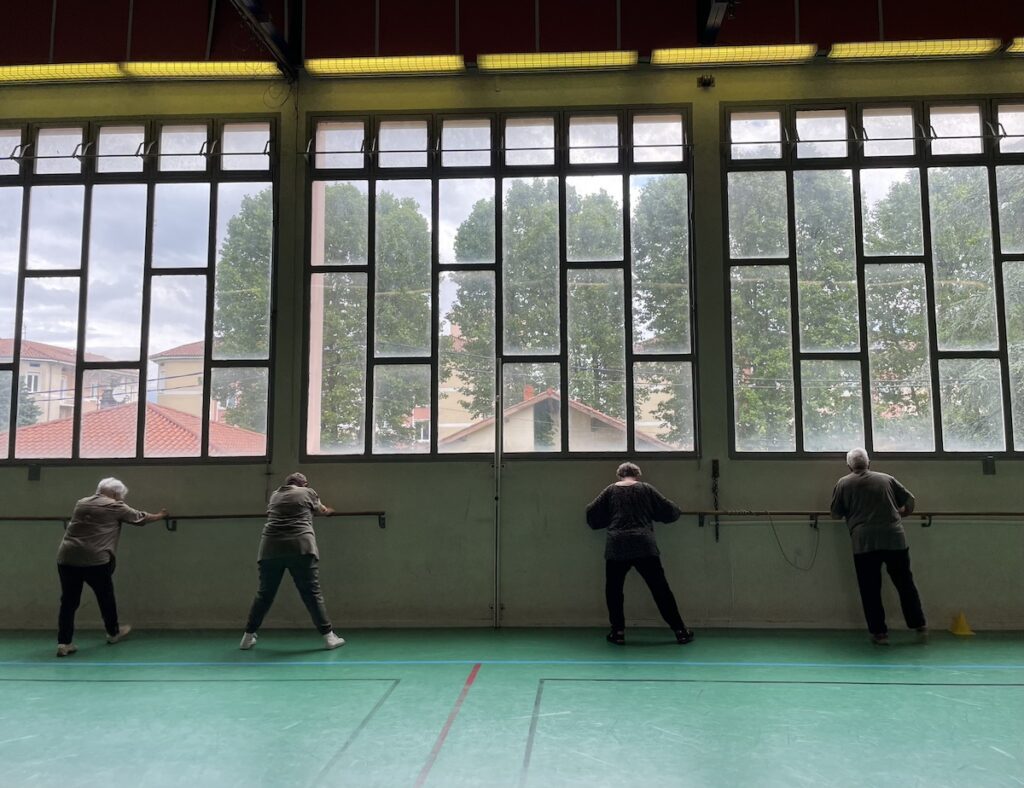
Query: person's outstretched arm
x: 665, y: 511
x: 597, y: 511
x: 135, y: 517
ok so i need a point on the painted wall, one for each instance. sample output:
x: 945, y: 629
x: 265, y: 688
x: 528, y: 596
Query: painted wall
x: 434, y: 563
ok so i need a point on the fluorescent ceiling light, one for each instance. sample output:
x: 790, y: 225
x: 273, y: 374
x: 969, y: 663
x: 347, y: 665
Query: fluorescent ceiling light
x: 363, y: 66
x: 722, y: 56
x: 61, y: 72
x: 210, y: 69
x: 1016, y: 47
x: 556, y: 61
x: 954, y: 47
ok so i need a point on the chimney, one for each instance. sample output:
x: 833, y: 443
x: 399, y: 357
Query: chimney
x: 527, y: 392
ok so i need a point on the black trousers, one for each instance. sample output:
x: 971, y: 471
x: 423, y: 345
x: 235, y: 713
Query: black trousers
x: 653, y: 573
x: 72, y: 579
x: 869, y: 578
x: 305, y: 573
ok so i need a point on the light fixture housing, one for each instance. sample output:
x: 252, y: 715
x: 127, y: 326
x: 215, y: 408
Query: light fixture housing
x: 558, y: 61
x: 734, y: 56
x: 384, y: 66
x: 205, y: 69
x: 899, y: 50
x: 61, y: 72
x: 1016, y: 46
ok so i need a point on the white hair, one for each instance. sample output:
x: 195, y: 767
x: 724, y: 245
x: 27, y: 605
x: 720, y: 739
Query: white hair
x: 857, y: 459
x: 112, y: 488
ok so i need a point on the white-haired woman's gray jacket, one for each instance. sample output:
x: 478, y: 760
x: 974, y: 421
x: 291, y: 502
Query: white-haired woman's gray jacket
x: 91, y: 537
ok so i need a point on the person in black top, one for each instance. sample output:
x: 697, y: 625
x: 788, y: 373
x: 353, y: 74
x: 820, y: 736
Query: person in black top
x: 628, y: 509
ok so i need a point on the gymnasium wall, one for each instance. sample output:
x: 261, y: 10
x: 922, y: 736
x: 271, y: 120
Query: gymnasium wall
x: 434, y: 563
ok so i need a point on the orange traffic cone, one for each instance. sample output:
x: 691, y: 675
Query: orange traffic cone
x: 960, y: 626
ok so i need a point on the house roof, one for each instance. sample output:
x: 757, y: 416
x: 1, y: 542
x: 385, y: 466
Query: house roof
x: 111, y: 433
x: 188, y: 350
x: 40, y: 351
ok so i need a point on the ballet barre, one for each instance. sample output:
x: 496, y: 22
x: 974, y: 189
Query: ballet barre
x: 171, y: 521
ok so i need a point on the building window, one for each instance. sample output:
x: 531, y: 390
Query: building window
x: 875, y: 264
x: 144, y: 300
x: 544, y: 257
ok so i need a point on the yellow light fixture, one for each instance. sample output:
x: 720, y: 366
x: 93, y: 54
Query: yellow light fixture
x: 953, y: 47
x: 61, y: 72
x: 557, y: 61
x: 728, y: 56
x: 209, y: 69
x: 1016, y: 47
x: 369, y: 66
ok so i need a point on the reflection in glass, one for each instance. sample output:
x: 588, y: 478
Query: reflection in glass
x: 181, y: 225
x: 758, y: 215
x: 597, y: 364
x: 972, y: 404
x: 10, y: 139
x: 10, y: 245
x: 402, y: 143
x: 816, y: 128
x: 182, y: 148
x: 238, y: 411
x: 401, y: 409
x: 241, y: 299
x: 888, y: 131
x: 755, y: 135
x: 657, y: 138
x: 466, y: 143
x: 531, y: 398
x: 659, y: 234
x: 117, y: 248
x: 1010, y: 181
x: 593, y: 218
x: 243, y: 147
x: 957, y: 130
x: 762, y: 359
x: 1011, y: 120
x: 55, y: 227
x: 118, y: 148
x: 339, y: 223
x: 466, y: 223
x: 342, y: 142
x: 529, y: 141
x: 109, y: 414
x: 663, y: 406
x: 891, y: 211
x: 833, y: 407
x: 337, y: 364
x: 56, y: 151
x: 593, y: 139
x: 1013, y: 289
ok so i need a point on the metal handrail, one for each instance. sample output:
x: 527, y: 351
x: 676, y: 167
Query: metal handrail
x: 171, y: 521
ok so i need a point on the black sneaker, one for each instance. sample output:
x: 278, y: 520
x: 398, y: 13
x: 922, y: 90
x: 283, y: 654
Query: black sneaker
x: 618, y: 638
x: 684, y: 636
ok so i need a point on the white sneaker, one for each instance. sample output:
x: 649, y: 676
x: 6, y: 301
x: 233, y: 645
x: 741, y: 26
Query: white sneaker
x: 63, y: 649
x: 248, y: 641
x: 122, y: 633
x: 333, y: 641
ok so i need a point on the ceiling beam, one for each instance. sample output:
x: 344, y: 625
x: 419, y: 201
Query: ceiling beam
x: 255, y: 17
x: 710, y: 17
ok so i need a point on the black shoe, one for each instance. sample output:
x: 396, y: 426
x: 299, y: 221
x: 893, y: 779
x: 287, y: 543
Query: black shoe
x: 618, y: 638
x: 684, y: 636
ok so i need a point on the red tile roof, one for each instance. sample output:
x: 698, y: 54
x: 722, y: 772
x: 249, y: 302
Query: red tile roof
x: 111, y: 433
x: 38, y: 351
x: 190, y: 350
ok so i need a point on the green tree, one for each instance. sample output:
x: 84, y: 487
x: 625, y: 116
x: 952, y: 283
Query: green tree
x: 28, y: 410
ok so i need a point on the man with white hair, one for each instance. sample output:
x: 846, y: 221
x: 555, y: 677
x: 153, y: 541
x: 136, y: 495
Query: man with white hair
x: 872, y: 504
x: 86, y: 556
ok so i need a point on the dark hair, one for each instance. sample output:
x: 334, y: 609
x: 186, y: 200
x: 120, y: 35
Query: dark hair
x: 297, y: 479
x: 628, y: 469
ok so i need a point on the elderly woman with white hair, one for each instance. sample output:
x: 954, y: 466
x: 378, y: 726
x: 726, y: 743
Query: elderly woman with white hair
x: 86, y: 556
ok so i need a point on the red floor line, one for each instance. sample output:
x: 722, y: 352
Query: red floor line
x: 447, y: 726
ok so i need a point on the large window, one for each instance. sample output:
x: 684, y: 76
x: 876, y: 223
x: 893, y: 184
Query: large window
x: 135, y: 289
x: 876, y: 272
x: 543, y: 257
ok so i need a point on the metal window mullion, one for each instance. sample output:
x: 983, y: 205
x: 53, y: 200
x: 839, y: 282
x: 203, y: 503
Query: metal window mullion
x: 435, y: 300
x: 794, y: 315
x: 929, y: 284
x: 147, y: 297
x: 19, y: 313
x: 1003, y: 352
x: 499, y: 296
x: 629, y: 417
x: 211, y: 284
x: 83, y: 280
x: 862, y: 313
x: 561, y: 128
x: 371, y: 309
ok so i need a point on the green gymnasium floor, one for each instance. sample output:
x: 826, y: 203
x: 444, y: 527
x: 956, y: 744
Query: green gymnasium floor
x: 513, y: 707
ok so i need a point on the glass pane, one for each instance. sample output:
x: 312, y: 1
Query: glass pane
x: 238, y: 411
x: 529, y: 141
x: 597, y: 364
x: 898, y: 353
x: 401, y: 409
x: 117, y: 249
x: 888, y: 131
x: 55, y: 227
x: 815, y: 128
x: 337, y: 364
x: 402, y: 319
x: 245, y: 243
x: 1010, y: 182
x: 833, y: 408
x: 530, y: 293
x: 1013, y: 289
x: 663, y: 406
x: 1011, y: 119
x: 243, y: 147
x: 758, y: 215
x: 55, y: 149
x: 961, y: 225
x: 118, y: 146
x: 826, y: 260
x: 466, y: 223
x: 593, y: 140
x: 593, y: 218
x: 181, y: 225
x: 5, y: 410
x: 49, y: 341
x: 660, y: 236
x: 343, y: 143
x: 532, y: 420
x: 755, y: 135
x: 657, y: 138
x: 762, y: 359
x: 891, y: 211
x: 177, y: 330
x: 466, y: 143
x: 465, y: 382
x: 182, y: 147
x: 957, y: 129
x: 972, y: 404
x: 10, y: 246
x: 10, y: 139
x: 340, y: 222
x: 110, y: 413
x: 402, y: 143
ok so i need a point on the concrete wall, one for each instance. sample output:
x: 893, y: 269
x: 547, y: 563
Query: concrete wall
x: 434, y: 564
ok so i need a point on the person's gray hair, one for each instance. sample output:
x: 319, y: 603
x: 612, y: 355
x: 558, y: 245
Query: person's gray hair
x: 857, y: 459
x: 628, y: 469
x: 112, y: 488
x: 297, y: 480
